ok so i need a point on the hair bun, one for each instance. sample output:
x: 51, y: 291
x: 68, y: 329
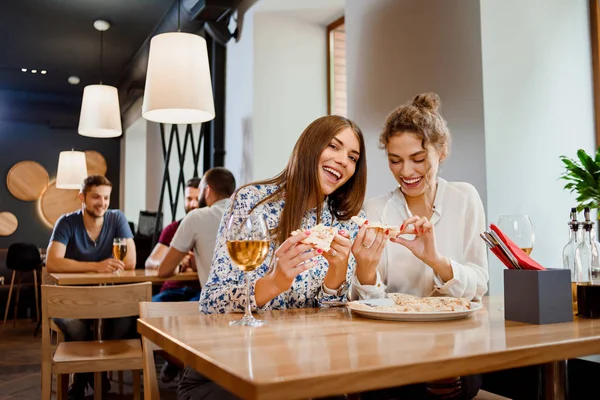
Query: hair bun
x: 430, y: 101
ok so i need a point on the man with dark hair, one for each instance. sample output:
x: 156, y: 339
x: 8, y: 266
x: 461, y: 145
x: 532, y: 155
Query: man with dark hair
x: 176, y: 290
x: 82, y: 241
x: 198, y: 231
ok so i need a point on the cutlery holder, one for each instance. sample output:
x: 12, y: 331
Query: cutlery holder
x: 538, y: 297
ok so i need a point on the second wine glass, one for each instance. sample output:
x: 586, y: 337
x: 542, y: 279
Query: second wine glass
x: 247, y: 245
x: 519, y: 229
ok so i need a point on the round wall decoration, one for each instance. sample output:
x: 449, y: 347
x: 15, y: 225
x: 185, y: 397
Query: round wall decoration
x: 8, y: 223
x: 27, y: 180
x: 56, y: 202
x: 96, y: 164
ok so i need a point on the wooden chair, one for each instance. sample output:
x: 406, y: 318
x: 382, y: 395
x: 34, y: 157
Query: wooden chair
x: 95, y: 302
x: 62, y: 380
x: 154, y: 310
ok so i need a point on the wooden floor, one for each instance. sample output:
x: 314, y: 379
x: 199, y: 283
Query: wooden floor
x: 20, y: 355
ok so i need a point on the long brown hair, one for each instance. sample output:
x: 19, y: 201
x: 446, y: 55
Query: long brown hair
x: 298, y: 183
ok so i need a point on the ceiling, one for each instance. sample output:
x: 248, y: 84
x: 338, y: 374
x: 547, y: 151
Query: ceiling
x: 58, y: 36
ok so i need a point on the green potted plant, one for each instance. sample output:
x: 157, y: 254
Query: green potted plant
x: 583, y: 178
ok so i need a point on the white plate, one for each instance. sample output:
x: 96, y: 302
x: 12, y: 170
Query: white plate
x: 408, y: 316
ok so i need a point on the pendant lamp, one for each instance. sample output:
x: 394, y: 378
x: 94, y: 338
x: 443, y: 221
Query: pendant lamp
x: 178, y: 83
x: 100, y: 113
x: 72, y: 170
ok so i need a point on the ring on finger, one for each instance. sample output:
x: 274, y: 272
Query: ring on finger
x: 366, y: 246
x: 332, y: 252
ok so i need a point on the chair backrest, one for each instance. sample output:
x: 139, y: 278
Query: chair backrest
x: 94, y: 302
x: 147, y: 221
x: 23, y: 257
x: 153, y: 310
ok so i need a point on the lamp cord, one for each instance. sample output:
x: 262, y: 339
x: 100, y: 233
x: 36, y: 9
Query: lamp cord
x: 101, y: 54
x: 178, y: 15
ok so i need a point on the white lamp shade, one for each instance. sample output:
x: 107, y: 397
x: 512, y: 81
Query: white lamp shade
x: 178, y: 85
x: 72, y: 170
x: 100, y: 113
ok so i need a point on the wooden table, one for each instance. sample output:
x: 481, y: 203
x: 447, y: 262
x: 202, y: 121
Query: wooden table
x: 131, y: 276
x: 319, y: 352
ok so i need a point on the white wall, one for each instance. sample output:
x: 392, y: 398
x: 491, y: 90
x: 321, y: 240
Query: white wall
x: 290, y: 86
x: 239, y: 97
x: 276, y: 82
x: 134, y: 171
x: 399, y: 48
x: 538, y: 105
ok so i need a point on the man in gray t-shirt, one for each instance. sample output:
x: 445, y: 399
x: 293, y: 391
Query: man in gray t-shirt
x: 82, y: 242
x: 198, y: 230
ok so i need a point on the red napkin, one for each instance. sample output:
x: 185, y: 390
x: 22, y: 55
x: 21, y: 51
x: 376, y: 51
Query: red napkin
x: 523, y: 259
x: 498, y: 252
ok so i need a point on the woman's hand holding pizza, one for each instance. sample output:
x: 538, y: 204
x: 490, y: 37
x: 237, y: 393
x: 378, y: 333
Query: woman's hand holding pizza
x: 292, y: 258
x: 424, y: 246
x: 367, y: 249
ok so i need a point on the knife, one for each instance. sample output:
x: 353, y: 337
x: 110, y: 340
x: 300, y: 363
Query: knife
x: 505, y: 250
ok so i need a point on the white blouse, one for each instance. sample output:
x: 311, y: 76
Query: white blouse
x: 458, y: 219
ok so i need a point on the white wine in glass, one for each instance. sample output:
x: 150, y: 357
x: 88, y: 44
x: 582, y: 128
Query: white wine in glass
x: 247, y: 245
x: 519, y: 229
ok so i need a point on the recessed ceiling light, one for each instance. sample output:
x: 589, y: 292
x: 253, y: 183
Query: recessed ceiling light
x: 74, y: 80
x: 23, y: 69
x: 34, y: 71
x: 43, y: 72
x: 101, y: 25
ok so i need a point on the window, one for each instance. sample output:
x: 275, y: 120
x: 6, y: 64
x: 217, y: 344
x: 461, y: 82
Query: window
x: 336, y: 68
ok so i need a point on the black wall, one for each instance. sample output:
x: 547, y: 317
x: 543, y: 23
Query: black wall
x: 21, y: 141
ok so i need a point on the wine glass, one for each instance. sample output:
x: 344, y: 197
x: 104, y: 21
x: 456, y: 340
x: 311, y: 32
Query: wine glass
x: 519, y: 229
x: 247, y: 243
x: 119, y: 250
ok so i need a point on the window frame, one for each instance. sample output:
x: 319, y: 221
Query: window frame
x: 330, y: 78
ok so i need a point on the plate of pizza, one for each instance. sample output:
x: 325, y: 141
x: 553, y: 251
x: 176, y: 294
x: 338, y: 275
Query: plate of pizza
x: 405, y: 307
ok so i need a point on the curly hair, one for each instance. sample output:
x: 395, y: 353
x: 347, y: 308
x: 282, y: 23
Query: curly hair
x: 421, y: 117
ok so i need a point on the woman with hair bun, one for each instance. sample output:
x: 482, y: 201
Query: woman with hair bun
x: 443, y: 253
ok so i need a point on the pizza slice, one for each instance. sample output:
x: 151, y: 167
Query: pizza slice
x: 321, y: 236
x: 430, y: 304
x: 394, y: 230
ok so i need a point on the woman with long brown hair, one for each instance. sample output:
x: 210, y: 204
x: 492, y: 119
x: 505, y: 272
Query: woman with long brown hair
x: 323, y: 182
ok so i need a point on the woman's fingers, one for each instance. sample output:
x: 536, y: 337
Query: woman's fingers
x: 291, y: 242
x: 408, y: 221
x: 341, y: 240
x: 300, y: 258
x: 420, y: 225
x: 299, y: 249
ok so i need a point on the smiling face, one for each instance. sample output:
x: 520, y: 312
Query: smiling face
x: 414, y: 167
x: 96, y: 200
x: 338, y: 161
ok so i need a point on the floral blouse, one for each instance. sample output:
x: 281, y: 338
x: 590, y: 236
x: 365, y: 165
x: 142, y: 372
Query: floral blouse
x: 225, y: 290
